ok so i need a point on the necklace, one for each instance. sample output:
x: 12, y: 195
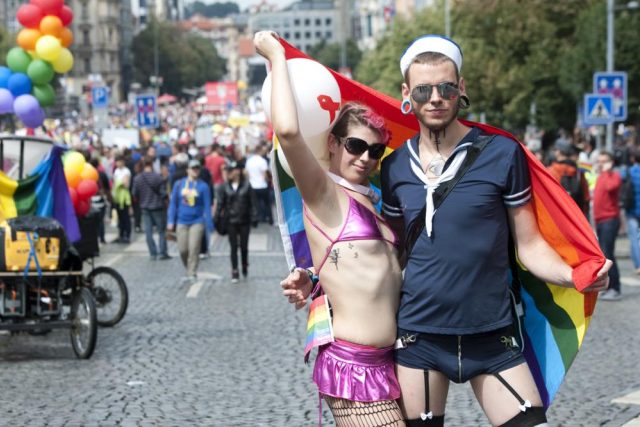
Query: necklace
x: 436, y: 165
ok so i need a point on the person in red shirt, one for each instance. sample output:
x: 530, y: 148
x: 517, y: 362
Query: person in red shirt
x: 606, y: 212
x: 215, y: 163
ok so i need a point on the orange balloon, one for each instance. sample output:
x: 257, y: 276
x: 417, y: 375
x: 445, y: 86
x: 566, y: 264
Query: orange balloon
x: 27, y: 38
x: 89, y: 172
x: 66, y: 37
x: 73, y: 177
x: 51, y: 25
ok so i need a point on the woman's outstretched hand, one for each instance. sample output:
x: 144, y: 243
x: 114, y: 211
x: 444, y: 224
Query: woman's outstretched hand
x: 297, y: 287
x: 267, y: 44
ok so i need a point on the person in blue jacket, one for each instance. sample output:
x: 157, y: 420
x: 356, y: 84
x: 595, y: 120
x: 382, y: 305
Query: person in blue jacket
x: 189, y: 215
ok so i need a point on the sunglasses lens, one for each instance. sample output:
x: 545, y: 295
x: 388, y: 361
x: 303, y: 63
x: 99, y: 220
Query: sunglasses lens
x: 422, y: 93
x: 376, y: 151
x: 448, y: 91
x: 356, y: 146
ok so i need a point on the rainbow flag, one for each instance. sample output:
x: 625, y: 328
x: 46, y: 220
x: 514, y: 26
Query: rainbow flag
x: 43, y: 193
x: 556, y: 319
x: 319, y: 327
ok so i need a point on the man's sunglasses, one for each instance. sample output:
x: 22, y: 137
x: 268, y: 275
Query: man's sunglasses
x: 357, y: 147
x: 447, y: 90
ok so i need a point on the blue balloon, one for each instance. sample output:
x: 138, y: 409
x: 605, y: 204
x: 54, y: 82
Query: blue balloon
x: 6, y: 101
x: 5, y: 73
x: 19, y: 84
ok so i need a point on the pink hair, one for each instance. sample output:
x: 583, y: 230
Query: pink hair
x: 355, y: 113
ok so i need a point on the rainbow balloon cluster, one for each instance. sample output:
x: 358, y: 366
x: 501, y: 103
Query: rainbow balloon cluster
x: 82, y: 180
x: 42, y: 51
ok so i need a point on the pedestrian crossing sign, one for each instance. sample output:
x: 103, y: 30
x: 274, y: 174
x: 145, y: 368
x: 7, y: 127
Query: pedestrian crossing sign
x: 598, y: 109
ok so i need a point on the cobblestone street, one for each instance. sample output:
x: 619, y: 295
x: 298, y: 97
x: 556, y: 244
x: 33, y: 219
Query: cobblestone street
x: 222, y: 354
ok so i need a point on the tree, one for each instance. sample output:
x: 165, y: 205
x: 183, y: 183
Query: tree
x: 329, y: 54
x: 517, y: 53
x: 185, y: 59
x: 215, y: 10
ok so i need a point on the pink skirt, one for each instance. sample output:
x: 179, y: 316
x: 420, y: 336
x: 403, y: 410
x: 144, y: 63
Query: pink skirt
x: 356, y: 372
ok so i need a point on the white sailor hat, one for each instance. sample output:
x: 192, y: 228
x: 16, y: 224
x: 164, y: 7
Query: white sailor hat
x: 431, y: 43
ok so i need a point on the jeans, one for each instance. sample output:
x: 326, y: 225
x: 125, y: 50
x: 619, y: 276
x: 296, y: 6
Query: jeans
x: 151, y: 218
x: 633, y: 233
x: 239, y: 234
x: 189, y: 241
x: 264, y: 205
x: 607, y: 232
x: 124, y: 222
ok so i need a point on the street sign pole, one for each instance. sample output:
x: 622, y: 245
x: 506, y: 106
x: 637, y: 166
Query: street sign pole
x: 610, y: 47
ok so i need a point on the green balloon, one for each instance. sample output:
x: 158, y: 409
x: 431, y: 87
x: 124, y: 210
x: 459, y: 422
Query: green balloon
x: 44, y: 94
x: 40, y: 72
x: 18, y: 60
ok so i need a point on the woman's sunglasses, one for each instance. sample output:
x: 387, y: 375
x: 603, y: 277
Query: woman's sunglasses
x: 357, y: 147
x: 447, y: 90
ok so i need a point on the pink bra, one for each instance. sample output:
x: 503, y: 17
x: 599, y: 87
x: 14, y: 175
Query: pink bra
x: 361, y: 224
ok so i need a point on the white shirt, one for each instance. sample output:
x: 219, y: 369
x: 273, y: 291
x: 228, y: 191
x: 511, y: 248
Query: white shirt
x: 256, y: 168
x: 120, y: 173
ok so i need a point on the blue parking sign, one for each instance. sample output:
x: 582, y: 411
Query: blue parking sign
x: 99, y: 97
x: 615, y: 84
x: 146, y: 111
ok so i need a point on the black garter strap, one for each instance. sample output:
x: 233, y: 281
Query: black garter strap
x: 532, y: 417
x: 436, y: 421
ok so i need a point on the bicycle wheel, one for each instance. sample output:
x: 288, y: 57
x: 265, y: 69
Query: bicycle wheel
x: 110, y: 291
x: 84, y: 326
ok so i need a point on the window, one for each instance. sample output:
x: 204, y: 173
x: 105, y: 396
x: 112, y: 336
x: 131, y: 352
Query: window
x: 307, y: 35
x: 287, y: 35
x: 296, y: 35
x: 85, y: 37
x: 87, y: 65
x: 328, y: 34
x: 327, y: 21
x: 318, y: 34
x: 307, y: 22
x: 296, y: 22
x: 318, y: 21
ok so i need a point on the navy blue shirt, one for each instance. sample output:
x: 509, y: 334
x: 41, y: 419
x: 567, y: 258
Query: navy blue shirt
x: 456, y: 281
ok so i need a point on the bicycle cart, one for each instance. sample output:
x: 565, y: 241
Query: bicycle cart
x: 42, y: 283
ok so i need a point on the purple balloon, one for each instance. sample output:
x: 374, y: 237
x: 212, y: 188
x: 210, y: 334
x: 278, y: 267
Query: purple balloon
x: 6, y: 101
x: 28, y: 110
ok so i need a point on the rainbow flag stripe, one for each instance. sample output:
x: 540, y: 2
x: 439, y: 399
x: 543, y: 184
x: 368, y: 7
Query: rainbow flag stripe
x: 556, y: 319
x: 43, y: 193
x: 319, y: 328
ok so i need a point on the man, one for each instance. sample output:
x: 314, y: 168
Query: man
x: 150, y: 189
x: 215, y: 162
x: 606, y: 213
x: 454, y: 318
x: 258, y: 170
x: 566, y: 171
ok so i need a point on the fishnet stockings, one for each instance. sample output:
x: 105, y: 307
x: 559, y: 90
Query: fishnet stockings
x: 348, y: 413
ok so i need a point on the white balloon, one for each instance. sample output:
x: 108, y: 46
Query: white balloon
x: 317, y: 144
x: 314, y: 87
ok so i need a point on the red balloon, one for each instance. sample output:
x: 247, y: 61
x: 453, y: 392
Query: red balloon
x: 73, y: 194
x: 49, y: 7
x: 86, y: 189
x: 83, y: 207
x: 66, y: 15
x: 29, y: 15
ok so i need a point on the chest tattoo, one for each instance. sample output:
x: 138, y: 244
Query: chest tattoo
x: 334, y: 256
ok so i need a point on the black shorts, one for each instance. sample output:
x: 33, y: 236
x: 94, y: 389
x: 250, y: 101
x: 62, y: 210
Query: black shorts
x: 461, y: 357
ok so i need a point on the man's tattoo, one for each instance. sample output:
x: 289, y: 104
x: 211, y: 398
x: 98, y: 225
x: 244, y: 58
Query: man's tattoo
x: 333, y: 257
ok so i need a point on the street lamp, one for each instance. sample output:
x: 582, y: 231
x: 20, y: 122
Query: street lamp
x: 611, y: 8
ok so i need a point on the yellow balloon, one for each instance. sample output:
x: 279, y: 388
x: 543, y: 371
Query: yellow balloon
x: 48, y: 48
x: 74, y: 161
x: 64, y: 62
x: 33, y: 54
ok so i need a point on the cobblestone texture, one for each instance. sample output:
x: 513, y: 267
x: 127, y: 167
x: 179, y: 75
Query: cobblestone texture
x: 232, y: 356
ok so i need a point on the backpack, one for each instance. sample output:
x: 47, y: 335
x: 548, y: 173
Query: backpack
x: 628, y: 195
x: 573, y: 185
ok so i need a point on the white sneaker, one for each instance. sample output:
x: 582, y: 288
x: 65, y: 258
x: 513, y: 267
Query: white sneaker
x: 610, y: 295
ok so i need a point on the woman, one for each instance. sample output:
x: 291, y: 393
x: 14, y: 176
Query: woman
x: 237, y: 205
x: 353, y: 251
x: 190, y: 210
